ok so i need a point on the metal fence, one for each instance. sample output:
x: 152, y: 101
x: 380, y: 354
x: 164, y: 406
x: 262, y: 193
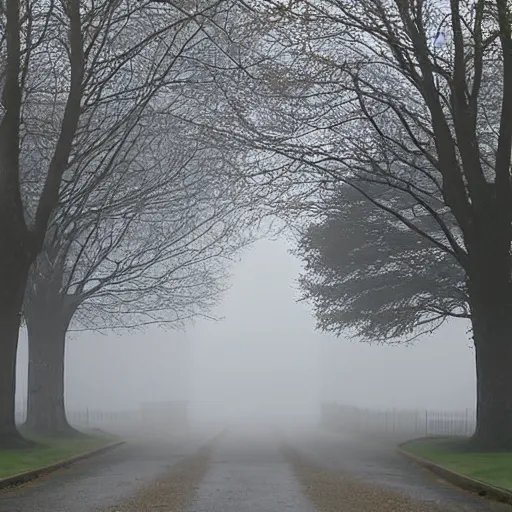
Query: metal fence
x: 165, y: 414
x: 91, y: 417
x: 95, y: 418
x: 407, y: 423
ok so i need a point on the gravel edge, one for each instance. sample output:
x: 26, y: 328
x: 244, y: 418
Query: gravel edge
x: 463, y: 482
x: 33, y: 474
x: 175, y: 489
x: 331, y: 490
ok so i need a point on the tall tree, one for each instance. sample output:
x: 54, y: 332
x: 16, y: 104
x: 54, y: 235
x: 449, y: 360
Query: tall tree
x: 55, y: 90
x: 412, y: 96
x: 154, y: 255
x: 143, y: 229
x: 20, y: 241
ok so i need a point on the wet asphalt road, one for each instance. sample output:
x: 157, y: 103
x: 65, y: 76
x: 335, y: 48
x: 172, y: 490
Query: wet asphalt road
x: 247, y: 472
x: 375, y: 461
x: 102, y: 481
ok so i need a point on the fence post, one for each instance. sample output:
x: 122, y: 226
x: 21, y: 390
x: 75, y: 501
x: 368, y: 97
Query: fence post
x: 426, y: 422
x: 466, y: 423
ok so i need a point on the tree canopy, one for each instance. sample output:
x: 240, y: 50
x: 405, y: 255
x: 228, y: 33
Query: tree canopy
x: 368, y: 276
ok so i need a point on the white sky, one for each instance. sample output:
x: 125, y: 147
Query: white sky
x: 264, y: 358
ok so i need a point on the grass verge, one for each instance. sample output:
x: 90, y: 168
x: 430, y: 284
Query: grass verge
x: 453, y: 453
x: 49, y: 451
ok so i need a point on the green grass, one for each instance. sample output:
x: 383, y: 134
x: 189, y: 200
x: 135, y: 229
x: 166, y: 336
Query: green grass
x: 48, y: 451
x: 453, y: 453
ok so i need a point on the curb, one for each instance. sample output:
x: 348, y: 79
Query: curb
x: 27, y: 476
x: 463, y: 482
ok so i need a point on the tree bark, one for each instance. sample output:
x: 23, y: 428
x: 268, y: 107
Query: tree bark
x: 13, y: 277
x: 19, y: 245
x: 46, y: 414
x: 490, y: 295
x: 493, y: 357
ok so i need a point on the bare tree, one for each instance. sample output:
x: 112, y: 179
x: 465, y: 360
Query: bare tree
x: 412, y: 96
x: 150, y: 250
x: 55, y: 91
x: 21, y: 242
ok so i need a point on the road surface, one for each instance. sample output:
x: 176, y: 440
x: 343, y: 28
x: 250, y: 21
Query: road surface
x: 374, y: 470
x: 265, y: 471
x: 249, y: 473
x: 104, y: 481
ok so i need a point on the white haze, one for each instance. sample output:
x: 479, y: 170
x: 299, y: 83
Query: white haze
x: 264, y: 360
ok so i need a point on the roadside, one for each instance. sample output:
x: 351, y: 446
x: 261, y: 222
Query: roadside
x: 107, y: 480
x: 328, y: 490
x: 487, y: 473
x: 345, y: 459
x: 49, y: 451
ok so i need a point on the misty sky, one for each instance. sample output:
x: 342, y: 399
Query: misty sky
x: 264, y: 358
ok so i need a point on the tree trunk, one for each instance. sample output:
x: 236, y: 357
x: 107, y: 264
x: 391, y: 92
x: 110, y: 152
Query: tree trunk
x: 46, y: 414
x: 493, y: 357
x: 13, y: 279
x: 491, y: 315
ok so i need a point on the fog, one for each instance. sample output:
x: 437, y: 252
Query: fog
x: 263, y: 360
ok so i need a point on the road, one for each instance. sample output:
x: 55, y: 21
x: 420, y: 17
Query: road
x: 104, y: 481
x: 260, y: 471
x: 249, y: 473
x: 378, y: 474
